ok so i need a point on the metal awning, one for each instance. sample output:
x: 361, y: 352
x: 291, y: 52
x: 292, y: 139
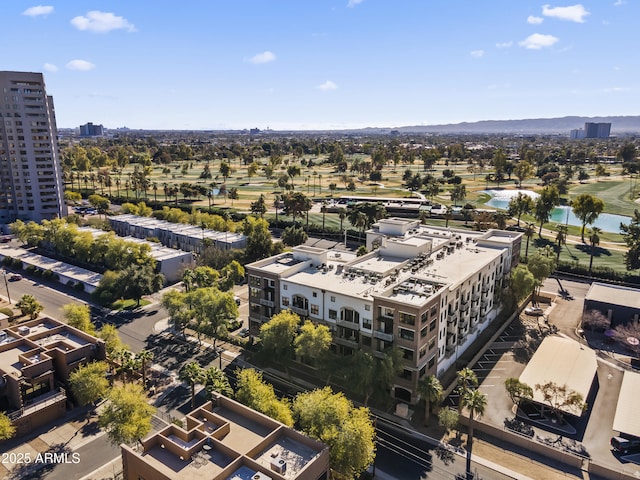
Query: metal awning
x: 627, y: 419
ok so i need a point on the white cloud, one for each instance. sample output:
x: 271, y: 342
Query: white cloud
x: 573, y: 13
x: 82, y: 65
x: 264, y: 57
x: 616, y: 89
x: 533, y: 20
x: 327, y: 86
x: 504, y: 44
x: 38, y: 10
x: 617, y: 3
x: 50, y: 67
x: 353, y: 3
x: 537, y: 41
x: 101, y: 22
x: 477, y: 53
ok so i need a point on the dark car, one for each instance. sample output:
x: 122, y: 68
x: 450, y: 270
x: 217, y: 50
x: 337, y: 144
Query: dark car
x: 244, y: 333
x: 625, y: 445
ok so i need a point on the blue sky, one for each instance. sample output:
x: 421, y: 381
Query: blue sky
x: 307, y: 64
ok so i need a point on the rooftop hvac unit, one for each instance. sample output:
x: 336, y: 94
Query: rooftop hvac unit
x: 279, y: 465
x: 3, y: 335
x: 24, y: 330
x: 260, y: 476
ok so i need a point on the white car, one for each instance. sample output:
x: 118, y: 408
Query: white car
x: 534, y: 311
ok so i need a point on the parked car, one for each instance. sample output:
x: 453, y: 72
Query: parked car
x: 625, y: 445
x: 15, y: 277
x: 244, y: 333
x: 534, y: 311
x: 236, y: 299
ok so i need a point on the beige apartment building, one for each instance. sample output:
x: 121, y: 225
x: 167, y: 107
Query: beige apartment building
x: 224, y: 439
x: 31, y: 186
x: 428, y: 290
x: 36, y: 358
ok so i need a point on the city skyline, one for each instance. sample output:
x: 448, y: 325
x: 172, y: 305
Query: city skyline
x: 325, y: 65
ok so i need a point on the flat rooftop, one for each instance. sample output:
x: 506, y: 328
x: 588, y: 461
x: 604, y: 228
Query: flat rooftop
x: 614, y: 295
x: 9, y: 359
x: 295, y: 454
x: 244, y: 433
x: 627, y: 419
x: 564, y: 362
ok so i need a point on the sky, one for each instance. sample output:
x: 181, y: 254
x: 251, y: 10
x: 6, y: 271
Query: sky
x: 325, y: 64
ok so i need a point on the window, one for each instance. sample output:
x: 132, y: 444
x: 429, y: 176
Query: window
x: 432, y: 343
x: 333, y: 314
x: 367, y: 308
x: 366, y: 341
x: 315, y: 294
x: 423, y: 332
x: 255, y: 292
x: 422, y: 352
x: 433, y: 310
x: 387, y: 312
x: 285, y: 301
x: 407, y: 354
x: 314, y: 309
x: 406, y: 374
x: 423, y: 317
x: 432, y: 361
x: 255, y: 281
x: 432, y: 325
x: 407, y: 318
x: 285, y: 287
x: 366, y: 323
x: 423, y: 371
x: 405, y: 334
x: 333, y: 299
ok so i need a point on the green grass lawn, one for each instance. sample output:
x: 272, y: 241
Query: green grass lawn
x: 614, y: 194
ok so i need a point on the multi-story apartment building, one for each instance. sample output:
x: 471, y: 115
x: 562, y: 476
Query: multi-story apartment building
x: 31, y: 186
x: 224, y: 439
x: 428, y: 290
x: 91, y: 130
x: 36, y: 358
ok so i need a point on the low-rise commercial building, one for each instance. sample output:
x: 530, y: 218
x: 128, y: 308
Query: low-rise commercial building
x: 190, y: 238
x: 428, y: 290
x: 619, y: 304
x: 223, y: 439
x: 36, y: 358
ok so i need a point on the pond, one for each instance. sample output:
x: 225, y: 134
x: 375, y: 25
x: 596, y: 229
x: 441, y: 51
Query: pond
x: 608, y: 222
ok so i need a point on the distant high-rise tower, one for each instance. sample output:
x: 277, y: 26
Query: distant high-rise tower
x: 31, y: 186
x: 91, y: 130
x: 597, y: 130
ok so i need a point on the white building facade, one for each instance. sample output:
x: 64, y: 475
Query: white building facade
x: 426, y: 290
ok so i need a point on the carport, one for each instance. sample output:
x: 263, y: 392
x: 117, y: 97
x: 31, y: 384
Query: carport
x: 564, y: 362
x: 627, y: 419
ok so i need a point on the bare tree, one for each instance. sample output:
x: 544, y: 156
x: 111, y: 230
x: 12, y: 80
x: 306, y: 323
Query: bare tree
x: 595, y: 320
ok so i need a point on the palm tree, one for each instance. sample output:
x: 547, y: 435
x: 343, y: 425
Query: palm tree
x: 529, y: 230
x: 467, y: 380
x: 215, y: 380
x: 448, y: 215
x: 561, y: 239
x: 192, y: 374
x: 342, y: 214
x: 476, y: 403
x: 144, y: 357
x: 154, y: 186
x: 431, y: 391
x: 594, y: 239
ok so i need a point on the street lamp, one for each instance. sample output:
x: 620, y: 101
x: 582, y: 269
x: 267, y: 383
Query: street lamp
x: 6, y: 284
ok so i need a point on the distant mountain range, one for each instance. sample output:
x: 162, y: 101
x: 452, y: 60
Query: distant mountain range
x: 563, y: 125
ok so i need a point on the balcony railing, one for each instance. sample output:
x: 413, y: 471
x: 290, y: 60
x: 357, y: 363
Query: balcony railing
x: 348, y: 342
x: 267, y: 303
x: 347, y: 324
x: 387, y: 337
x: 300, y: 311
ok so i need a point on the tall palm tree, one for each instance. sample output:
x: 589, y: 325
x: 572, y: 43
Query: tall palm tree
x: 594, y: 240
x: 192, y: 374
x: 476, y: 403
x: 431, y: 391
x: 448, y: 215
x: 144, y: 357
x: 529, y: 230
x: 467, y: 380
x: 561, y: 239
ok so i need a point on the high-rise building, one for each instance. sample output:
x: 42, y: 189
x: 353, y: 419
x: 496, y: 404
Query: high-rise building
x: 597, y: 130
x: 31, y: 186
x: 91, y: 130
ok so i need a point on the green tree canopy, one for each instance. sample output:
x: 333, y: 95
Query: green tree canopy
x: 517, y: 390
x: 7, y: 430
x: 631, y: 235
x: 193, y: 374
x: 279, y: 332
x: 254, y: 392
x: 587, y: 208
x: 127, y: 416
x: 79, y: 316
x: 522, y: 282
x: 89, y: 382
x: 215, y: 380
x: 431, y: 391
x: 259, y: 242
x: 313, y: 342
x: 29, y: 306
x: 332, y: 419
